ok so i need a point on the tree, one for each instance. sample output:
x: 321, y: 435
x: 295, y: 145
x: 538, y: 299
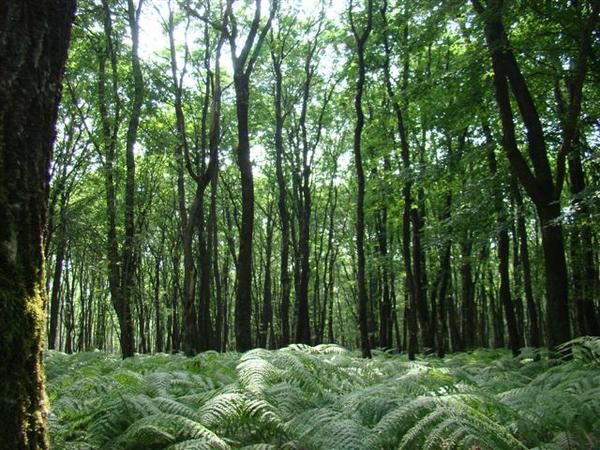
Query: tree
x: 243, y: 64
x: 541, y: 185
x: 279, y: 52
x: 33, y: 51
x: 360, y: 39
x: 197, y: 329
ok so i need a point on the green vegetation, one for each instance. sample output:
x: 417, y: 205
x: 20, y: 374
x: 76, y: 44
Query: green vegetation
x: 325, y: 397
x: 357, y: 174
x: 417, y: 177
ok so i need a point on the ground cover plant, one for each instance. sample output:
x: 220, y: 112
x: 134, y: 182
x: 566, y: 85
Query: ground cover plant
x: 325, y: 397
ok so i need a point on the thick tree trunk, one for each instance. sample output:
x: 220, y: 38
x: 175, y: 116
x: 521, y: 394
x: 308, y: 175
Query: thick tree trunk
x: 558, y: 330
x: 33, y: 49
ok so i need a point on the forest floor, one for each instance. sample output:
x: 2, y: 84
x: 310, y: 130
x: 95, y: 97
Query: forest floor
x: 325, y: 397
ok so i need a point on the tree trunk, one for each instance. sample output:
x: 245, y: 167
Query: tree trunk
x: 243, y: 299
x: 558, y: 330
x: 361, y: 40
x: 59, y: 259
x: 468, y: 296
x: 514, y: 340
x: 110, y: 127
x: 243, y: 64
x: 33, y: 50
x: 532, y: 308
x: 284, y: 279
x: 445, y: 272
x: 266, y: 321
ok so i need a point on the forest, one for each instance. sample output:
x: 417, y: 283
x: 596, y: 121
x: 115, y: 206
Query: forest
x: 301, y: 224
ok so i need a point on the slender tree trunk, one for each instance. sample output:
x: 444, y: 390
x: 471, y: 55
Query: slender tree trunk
x: 110, y: 127
x: 497, y: 316
x: 158, y: 339
x: 532, y: 308
x: 59, y: 259
x: 243, y: 302
x: 266, y: 321
x: 284, y: 279
x: 176, y: 294
x: 205, y: 330
x: 220, y: 306
x: 445, y: 273
x: 468, y: 296
x: 584, y: 268
x: 453, y: 316
x: 514, y: 340
x: 419, y: 278
x: 361, y: 40
x: 385, y: 307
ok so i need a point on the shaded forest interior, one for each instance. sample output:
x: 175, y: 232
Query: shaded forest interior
x: 421, y: 176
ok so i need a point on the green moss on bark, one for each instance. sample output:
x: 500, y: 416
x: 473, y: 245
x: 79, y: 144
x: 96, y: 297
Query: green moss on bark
x: 23, y: 405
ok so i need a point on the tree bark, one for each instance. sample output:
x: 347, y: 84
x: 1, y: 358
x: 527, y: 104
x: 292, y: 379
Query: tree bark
x: 130, y: 257
x: 361, y: 40
x: 284, y: 276
x: 243, y: 65
x: 33, y: 49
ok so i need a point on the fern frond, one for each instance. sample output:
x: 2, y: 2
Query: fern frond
x: 171, y: 406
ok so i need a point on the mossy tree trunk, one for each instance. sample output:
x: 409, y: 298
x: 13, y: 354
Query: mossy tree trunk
x: 34, y: 37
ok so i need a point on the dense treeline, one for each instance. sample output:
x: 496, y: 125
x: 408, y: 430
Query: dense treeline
x: 376, y: 174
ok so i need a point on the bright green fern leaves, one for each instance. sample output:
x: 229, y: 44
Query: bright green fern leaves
x: 324, y: 397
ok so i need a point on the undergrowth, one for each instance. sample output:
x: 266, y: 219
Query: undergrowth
x: 325, y: 397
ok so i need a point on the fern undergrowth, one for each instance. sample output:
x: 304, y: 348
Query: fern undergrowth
x: 325, y: 397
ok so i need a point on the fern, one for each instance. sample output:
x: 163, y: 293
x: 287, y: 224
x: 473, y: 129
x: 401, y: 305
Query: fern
x: 325, y: 397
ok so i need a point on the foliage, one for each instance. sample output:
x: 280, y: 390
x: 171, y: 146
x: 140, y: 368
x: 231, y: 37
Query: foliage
x: 324, y: 397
